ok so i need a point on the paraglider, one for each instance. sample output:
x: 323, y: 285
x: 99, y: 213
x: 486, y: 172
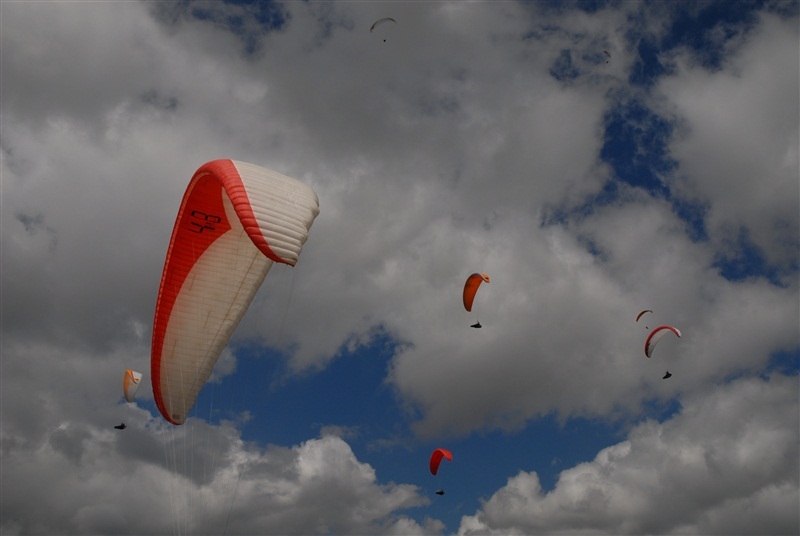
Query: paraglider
x: 642, y: 313
x: 470, y: 289
x: 655, y: 336
x: 436, y: 459
x: 380, y: 22
x: 130, y: 384
x: 235, y: 221
x: 608, y: 56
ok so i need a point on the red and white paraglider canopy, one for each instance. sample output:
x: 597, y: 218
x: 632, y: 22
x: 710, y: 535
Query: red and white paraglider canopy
x: 655, y: 336
x: 235, y: 221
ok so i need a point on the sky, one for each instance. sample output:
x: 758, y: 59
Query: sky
x: 594, y: 158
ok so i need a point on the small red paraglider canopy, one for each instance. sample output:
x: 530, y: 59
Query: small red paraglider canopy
x: 436, y: 459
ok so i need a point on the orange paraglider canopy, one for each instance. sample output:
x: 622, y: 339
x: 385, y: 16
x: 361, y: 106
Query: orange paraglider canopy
x: 471, y: 287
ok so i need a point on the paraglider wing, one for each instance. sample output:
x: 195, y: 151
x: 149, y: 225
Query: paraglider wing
x: 642, y: 313
x: 436, y: 459
x: 381, y: 21
x: 235, y: 221
x: 655, y: 336
x: 471, y: 287
x: 130, y: 384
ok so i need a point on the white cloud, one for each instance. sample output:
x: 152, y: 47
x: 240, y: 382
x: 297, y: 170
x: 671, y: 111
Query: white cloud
x: 715, y: 468
x: 737, y: 145
x: 66, y: 470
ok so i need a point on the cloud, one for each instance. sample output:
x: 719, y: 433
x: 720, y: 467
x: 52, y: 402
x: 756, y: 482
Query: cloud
x: 327, y: 490
x: 727, y: 463
x: 78, y: 477
x: 738, y: 138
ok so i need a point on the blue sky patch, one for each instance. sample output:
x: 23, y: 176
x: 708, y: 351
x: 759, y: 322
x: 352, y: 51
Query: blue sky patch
x: 563, y: 69
x: 745, y: 260
x: 786, y: 362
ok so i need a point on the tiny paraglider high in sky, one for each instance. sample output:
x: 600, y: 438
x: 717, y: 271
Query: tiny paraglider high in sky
x: 235, y: 221
x: 642, y: 314
x: 380, y: 22
x: 130, y: 384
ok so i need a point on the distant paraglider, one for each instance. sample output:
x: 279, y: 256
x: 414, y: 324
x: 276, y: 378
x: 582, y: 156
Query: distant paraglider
x: 380, y: 22
x: 607, y: 55
x: 235, y: 221
x: 130, y: 384
x: 655, y: 336
x: 470, y: 289
x: 642, y: 313
x: 436, y: 459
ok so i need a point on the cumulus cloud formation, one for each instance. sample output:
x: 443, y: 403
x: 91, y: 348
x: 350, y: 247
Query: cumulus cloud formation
x: 197, y: 479
x: 727, y: 464
x: 738, y: 141
x: 490, y: 137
